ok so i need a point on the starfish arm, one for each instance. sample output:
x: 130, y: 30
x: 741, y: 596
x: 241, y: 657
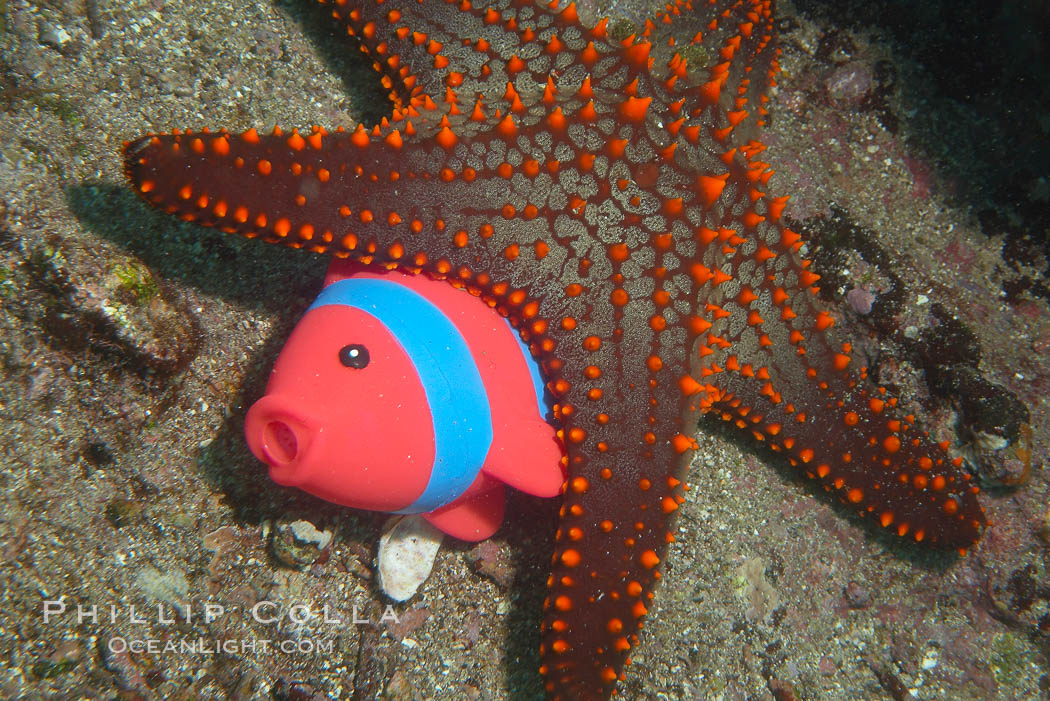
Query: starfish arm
x: 324, y: 192
x: 605, y: 564
x: 492, y: 217
x: 816, y: 404
x: 417, y: 49
x: 627, y: 446
x: 721, y: 61
x: 458, y: 52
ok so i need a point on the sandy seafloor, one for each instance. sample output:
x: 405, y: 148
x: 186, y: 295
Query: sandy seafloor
x: 124, y: 485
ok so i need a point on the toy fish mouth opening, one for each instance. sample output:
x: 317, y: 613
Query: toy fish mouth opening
x: 281, y: 438
x: 279, y: 443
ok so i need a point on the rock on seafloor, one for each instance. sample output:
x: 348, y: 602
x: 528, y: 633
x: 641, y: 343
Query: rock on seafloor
x: 101, y: 298
x: 407, y: 548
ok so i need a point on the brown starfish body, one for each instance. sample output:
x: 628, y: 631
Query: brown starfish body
x: 608, y: 196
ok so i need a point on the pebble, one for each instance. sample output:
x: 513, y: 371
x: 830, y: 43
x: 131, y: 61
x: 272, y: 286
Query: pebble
x: 169, y: 587
x: 407, y: 550
x: 52, y: 36
x: 492, y: 561
x: 861, y: 300
x: 300, y: 543
x: 40, y: 381
x: 850, y: 83
x: 67, y: 655
x: 857, y: 596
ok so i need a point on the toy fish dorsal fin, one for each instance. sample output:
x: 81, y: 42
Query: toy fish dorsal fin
x: 526, y: 456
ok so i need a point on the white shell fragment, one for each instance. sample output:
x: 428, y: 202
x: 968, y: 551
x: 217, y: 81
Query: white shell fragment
x: 407, y: 550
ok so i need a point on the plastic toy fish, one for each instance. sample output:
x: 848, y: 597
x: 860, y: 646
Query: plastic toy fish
x: 399, y: 393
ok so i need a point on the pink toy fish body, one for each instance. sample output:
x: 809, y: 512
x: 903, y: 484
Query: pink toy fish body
x: 399, y: 393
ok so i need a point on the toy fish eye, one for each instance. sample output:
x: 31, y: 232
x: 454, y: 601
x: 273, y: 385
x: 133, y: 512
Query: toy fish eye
x: 354, y: 356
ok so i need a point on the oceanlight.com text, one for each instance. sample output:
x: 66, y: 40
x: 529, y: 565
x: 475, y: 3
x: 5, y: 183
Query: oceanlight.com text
x: 203, y: 646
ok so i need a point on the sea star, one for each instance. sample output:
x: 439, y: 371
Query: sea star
x: 605, y: 192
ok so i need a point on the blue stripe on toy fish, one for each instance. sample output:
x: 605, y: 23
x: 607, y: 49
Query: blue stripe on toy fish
x: 459, y: 405
x: 544, y: 401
